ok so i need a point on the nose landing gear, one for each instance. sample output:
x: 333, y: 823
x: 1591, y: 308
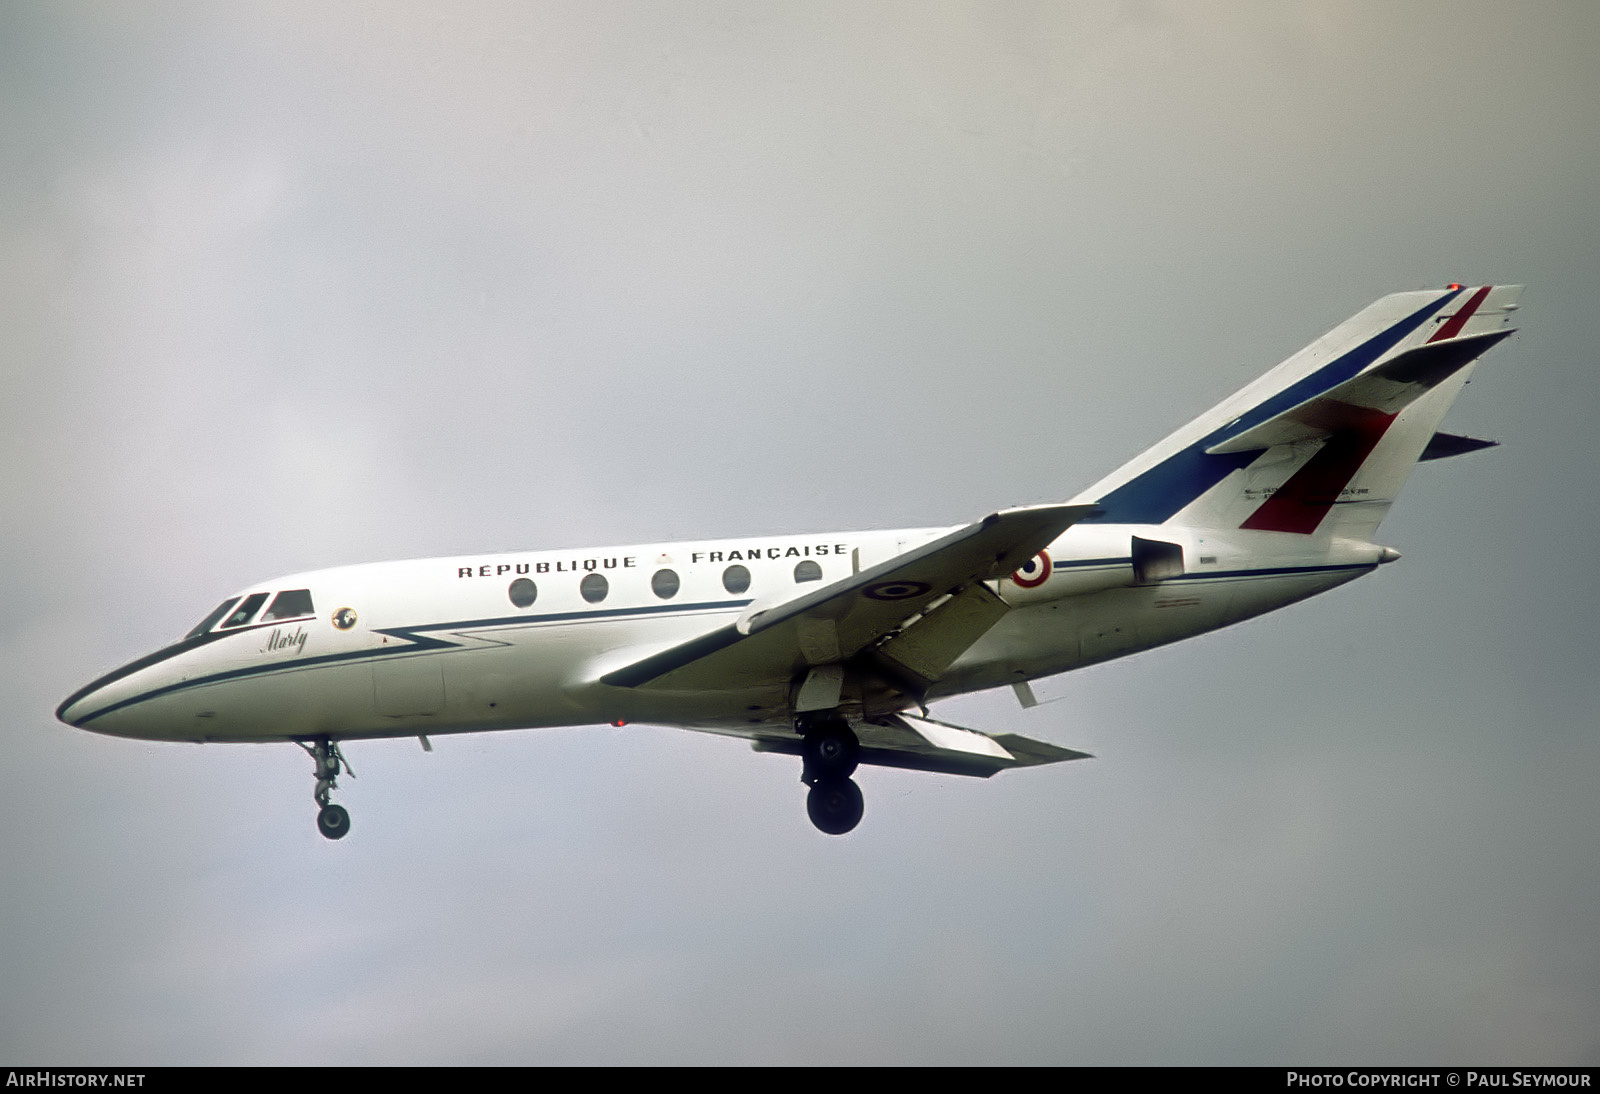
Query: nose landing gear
x: 333, y: 821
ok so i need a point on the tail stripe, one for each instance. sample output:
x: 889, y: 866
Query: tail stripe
x: 1154, y: 496
x: 1300, y: 504
x: 1453, y: 325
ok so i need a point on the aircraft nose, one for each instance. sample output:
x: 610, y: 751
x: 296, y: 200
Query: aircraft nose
x: 63, y: 716
x: 117, y: 689
x: 75, y: 708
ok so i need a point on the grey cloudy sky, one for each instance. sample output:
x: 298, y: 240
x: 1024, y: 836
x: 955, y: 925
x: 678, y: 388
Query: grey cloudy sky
x: 294, y: 285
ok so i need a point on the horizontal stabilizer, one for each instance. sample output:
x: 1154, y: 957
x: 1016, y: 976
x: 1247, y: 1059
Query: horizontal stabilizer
x: 1384, y: 389
x: 924, y: 744
x: 1445, y: 445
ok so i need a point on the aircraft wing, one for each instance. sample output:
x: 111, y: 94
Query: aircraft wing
x: 833, y: 623
x: 924, y: 744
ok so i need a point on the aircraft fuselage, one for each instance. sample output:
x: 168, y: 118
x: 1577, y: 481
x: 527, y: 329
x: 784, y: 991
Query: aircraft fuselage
x: 441, y: 646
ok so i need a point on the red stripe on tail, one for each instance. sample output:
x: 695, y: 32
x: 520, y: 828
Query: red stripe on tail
x: 1453, y: 325
x: 1300, y: 504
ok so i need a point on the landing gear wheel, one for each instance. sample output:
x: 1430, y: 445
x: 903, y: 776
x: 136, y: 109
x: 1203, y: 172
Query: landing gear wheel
x: 830, y: 751
x: 835, y: 805
x: 333, y: 821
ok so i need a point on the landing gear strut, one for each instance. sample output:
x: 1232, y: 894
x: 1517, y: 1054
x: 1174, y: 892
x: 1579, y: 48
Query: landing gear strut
x: 831, y: 752
x: 333, y: 821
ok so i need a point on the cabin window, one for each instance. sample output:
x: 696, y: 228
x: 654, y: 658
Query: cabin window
x: 523, y: 592
x: 736, y: 579
x: 807, y: 570
x: 247, y: 611
x: 289, y: 605
x: 594, y: 588
x: 664, y: 583
x: 211, y: 620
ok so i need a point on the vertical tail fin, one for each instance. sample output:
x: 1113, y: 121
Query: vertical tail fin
x: 1322, y: 443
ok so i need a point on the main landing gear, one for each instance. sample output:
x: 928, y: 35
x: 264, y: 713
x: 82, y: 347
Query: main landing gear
x: 830, y: 751
x: 333, y: 821
x: 835, y: 805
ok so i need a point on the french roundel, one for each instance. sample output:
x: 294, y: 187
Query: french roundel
x: 1034, y: 572
x: 897, y: 590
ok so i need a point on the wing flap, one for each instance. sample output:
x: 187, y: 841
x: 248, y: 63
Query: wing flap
x: 839, y: 620
x: 928, y: 648
x: 925, y: 744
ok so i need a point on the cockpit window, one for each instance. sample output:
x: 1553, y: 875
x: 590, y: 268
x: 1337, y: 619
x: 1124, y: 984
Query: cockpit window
x: 211, y: 620
x: 247, y: 611
x: 290, y: 605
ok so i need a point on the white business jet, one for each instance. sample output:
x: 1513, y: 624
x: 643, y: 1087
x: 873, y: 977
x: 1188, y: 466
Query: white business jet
x: 831, y: 646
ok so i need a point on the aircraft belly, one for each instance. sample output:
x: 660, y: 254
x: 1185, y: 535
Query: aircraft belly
x: 1256, y: 596
x: 548, y: 676
x: 1055, y: 637
x: 408, y: 686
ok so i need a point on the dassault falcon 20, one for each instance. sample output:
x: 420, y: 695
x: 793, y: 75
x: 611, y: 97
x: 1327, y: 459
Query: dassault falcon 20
x: 831, y: 647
